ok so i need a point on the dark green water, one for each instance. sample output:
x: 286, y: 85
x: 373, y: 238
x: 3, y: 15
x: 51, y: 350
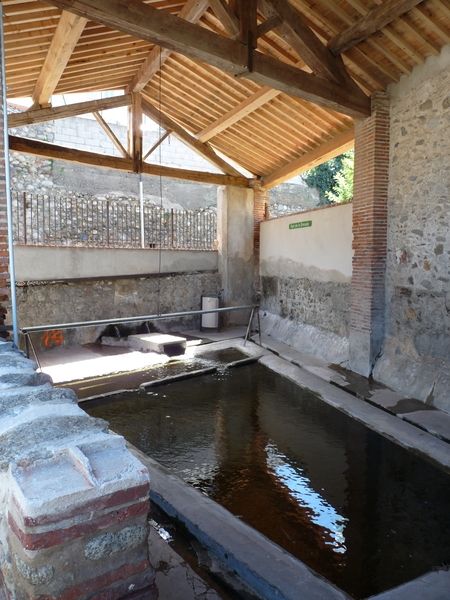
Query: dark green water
x: 358, y: 509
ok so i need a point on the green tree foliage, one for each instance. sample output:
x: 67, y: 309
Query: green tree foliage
x: 343, y: 189
x: 322, y: 177
x: 333, y: 179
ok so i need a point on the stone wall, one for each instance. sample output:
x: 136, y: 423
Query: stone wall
x: 305, y: 280
x: 4, y: 259
x: 74, y: 501
x: 416, y: 356
x: 50, y: 302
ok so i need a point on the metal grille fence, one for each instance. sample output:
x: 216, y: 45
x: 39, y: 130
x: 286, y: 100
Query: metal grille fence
x: 53, y: 220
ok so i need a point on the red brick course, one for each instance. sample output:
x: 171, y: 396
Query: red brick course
x: 260, y: 213
x: 369, y: 235
x: 47, y: 539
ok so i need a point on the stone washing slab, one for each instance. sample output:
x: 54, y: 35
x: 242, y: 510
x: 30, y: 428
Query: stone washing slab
x: 435, y: 422
x: 157, y: 342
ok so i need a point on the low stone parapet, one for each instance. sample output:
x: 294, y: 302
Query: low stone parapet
x: 74, y: 501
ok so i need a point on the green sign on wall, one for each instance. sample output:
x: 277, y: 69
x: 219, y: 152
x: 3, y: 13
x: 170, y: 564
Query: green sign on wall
x: 300, y: 224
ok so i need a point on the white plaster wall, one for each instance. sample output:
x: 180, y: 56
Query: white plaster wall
x: 322, y: 252
x: 49, y: 264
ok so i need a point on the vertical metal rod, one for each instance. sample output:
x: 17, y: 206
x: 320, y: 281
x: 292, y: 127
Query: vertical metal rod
x: 34, y: 351
x: 259, y: 325
x: 250, y: 321
x: 27, y: 345
x: 9, y: 211
x: 141, y: 209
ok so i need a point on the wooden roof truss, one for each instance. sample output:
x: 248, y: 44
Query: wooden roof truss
x: 272, y: 84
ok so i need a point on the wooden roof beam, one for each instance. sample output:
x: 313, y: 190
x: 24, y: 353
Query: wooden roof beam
x: 198, y: 43
x: 39, y: 115
x: 373, y: 21
x: 205, y: 150
x: 93, y: 159
x: 226, y: 16
x: 65, y: 38
x: 237, y: 113
x: 304, y: 41
x: 339, y: 144
x: 192, y: 12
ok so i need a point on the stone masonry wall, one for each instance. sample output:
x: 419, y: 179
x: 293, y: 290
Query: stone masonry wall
x: 4, y: 292
x: 416, y: 355
x: 74, y: 501
x: 62, y: 302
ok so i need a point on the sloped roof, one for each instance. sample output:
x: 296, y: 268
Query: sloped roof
x: 196, y: 95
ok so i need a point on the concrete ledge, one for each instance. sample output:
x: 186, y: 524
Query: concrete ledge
x: 47, y: 263
x: 388, y: 425
x: 307, y: 339
x: 73, y: 500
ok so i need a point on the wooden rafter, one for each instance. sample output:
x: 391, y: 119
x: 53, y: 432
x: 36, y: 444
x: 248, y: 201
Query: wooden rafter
x: 110, y: 133
x: 226, y: 16
x: 305, y: 42
x: 237, y: 113
x: 205, y: 150
x: 143, y: 21
x: 53, y: 151
x: 339, y: 144
x: 39, y: 115
x: 66, y: 36
x: 373, y: 21
x: 192, y: 11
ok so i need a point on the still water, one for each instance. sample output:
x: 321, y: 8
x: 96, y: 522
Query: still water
x: 356, y: 508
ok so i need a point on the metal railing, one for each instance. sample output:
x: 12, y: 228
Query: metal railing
x: 27, y: 331
x: 57, y: 220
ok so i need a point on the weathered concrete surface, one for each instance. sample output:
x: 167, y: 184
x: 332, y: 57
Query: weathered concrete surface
x: 44, y: 263
x: 306, y: 338
x: 64, y: 302
x: 73, y: 500
x: 416, y: 354
x: 235, y: 235
x: 388, y: 425
x: 305, y: 280
x: 431, y: 586
x: 175, y: 579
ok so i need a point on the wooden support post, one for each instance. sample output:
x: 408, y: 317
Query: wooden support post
x: 136, y: 132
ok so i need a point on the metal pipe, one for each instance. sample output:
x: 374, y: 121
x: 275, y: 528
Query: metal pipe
x: 9, y: 212
x: 250, y: 321
x: 76, y: 325
x: 141, y: 209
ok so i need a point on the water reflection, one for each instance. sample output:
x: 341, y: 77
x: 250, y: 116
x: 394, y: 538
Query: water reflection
x: 321, y: 513
x: 359, y: 510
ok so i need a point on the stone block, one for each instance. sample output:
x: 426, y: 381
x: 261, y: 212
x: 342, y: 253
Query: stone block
x: 74, y: 501
x: 158, y: 342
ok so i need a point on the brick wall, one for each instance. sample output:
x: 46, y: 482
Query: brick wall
x: 4, y: 292
x: 369, y: 236
x: 260, y: 212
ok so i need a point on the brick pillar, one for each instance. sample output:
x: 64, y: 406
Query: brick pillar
x: 4, y: 289
x: 260, y: 213
x: 369, y: 236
